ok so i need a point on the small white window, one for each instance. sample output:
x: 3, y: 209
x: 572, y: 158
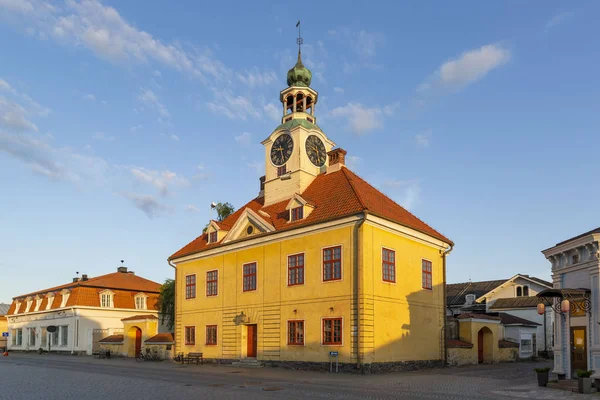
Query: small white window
x: 106, y: 300
x: 470, y: 298
x: 50, y: 301
x: 28, y: 307
x: 65, y: 298
x: 38, y: 303
x: 140, y: 301
x: 17, y: 306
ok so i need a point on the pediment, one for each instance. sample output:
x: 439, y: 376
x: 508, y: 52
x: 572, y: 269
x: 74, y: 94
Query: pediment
x: 246, y: 219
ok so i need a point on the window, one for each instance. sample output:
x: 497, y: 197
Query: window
x: 211, y: 335
x: 332, y: 331
x: 65, y: 298
x: 525, y: 290
x: 249, y: 277
x: 64, y: 335
x: 519, y: 291
x: 106, y: 300
x: 296, y: 269
x: 526, y: 345
x: 44, y: 337
x: 140, y: 301
x: 17, y: 306
x: 297, y: 213
x: 332, y: 263
x: 50, y: 301
x: 388, y: 261
x: 190, y: 286
x: 28, y: 307
x: 54, y: 337
x: 38, y: 303
x: 212, y: 280
x: 426, y: 275
x: 296, y: 333
x: 190, y: 335
x: 212, y: 237
x: 281, y: 170
x: 17, y: 337
x: 31, y: 337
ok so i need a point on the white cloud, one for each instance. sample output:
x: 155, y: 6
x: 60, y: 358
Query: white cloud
x: 149, y: 205
x: 233, y: 107
x: 366, y: 44
x: 422, y: 139
x: 103, y: 136
x: 89, y: 97
x: 273, y: 111
x: 245, y: 139
x: 192, y: 208
x: 4, y: 85
x: 559, y: 19
x: 149, y: 98
x: 14, y: 117
x: 338, y: 90
x: 469, y: 67
x: 174, y: 137
x: 201, y: 174
x: 161, y: 180
x: 256, y: 78
x: 406, y: 193
x: 156, y: 73
x: 361, y: 119
x: 353, y: 162
x: 135, y: 128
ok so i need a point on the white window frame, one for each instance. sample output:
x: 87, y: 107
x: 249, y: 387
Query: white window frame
x: 141, y: 297
x: 29, y: 303
x: 17, y: 307
x: 29, y: 337
x: 50, y: 301
x: 110, y: 303
x: 64, y: 339
x: 65, y: 297
x: 38, y: 303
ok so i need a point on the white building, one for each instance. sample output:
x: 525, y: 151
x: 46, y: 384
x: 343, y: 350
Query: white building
x: 575, y: 270
x: 83, y: 312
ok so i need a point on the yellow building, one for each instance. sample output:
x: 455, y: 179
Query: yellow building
x: 319, y: 262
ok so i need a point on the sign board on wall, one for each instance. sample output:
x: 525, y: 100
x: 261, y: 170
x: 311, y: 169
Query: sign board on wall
x: 4, y: 334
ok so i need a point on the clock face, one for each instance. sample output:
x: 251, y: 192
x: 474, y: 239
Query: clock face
x: 316, y: 151
x: 282, y: 149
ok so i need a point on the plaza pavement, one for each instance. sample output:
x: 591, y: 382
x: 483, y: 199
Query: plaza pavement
x: 33, y: 376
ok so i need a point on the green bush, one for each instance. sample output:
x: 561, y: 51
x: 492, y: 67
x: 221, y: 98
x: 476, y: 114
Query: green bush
x: 545, y: 369
x: 584, y: 374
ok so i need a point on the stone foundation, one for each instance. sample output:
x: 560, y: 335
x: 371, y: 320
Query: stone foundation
x: 353, y: 368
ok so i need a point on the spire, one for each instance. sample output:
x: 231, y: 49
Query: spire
x: 299, y: 75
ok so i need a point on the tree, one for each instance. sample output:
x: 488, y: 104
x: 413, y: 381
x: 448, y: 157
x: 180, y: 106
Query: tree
x: 166, y: 303
x: 224, y: 210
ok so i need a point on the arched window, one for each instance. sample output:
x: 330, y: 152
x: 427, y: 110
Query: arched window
x: 525, y: 290
x: 519, y: 291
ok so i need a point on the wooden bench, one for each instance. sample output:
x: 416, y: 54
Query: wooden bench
x: 193, y: 357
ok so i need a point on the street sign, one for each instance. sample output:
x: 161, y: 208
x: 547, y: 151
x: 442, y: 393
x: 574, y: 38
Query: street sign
x: 333, y: 353
x: 4, y: 334
x: 51, y: 328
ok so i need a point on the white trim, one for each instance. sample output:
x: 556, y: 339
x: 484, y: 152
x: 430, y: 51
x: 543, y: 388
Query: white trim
x: 111, y: 298
x: 407, y: 232
x: 287, y: 270
x: 287, y: 332
x: 255, y: 275
x: 206, y: 284
x: 50, y: 301
x: 483, y: 297
x: 341, y: 246
x: 252, y: 217
x: 144, y: 297
x: 263, y: 240
x: 297, y: 198
x: 381, y: 265
x: 341, y: 331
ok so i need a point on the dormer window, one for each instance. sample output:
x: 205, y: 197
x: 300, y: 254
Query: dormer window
x: 106, y: 299
x: 17, y: 306
x: 297, y: 213
x: 140, y: 301
x: 470, y: 298
x: 29, y: 302
x: 212, y: 237
x: 65, y: 297
x: 38, y: 303
x: 50, y: 301
x: 281, y: 170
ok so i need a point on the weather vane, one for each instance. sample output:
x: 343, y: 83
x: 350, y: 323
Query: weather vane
x: 300, y: 41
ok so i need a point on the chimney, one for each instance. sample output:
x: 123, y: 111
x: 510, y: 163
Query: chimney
x: 84, y: 277
x: 337, y: 159
x: 131, y: 272
x: 122, y: 270
x: 76, y: 279
x: 261, y: 193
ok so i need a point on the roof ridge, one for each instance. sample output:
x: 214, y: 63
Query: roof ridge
x: 360, y: 200
x: 390, y: 199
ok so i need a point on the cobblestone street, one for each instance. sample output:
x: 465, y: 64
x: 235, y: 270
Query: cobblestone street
x: 28, y: 376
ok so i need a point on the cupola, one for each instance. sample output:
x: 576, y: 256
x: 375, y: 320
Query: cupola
x: 299, y: 75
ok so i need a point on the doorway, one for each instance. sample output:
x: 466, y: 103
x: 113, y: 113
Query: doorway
x: 485, y: 343
x: 138, y: 342
x: 252, y: 340
x: 578, y: 349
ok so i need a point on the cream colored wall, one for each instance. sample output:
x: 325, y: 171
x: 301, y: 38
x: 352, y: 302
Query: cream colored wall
x: 511, y: 290
x: 462, y: 356
x: 403, y: 321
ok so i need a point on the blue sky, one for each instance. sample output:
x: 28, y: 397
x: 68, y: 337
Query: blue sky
x: 120, y: 122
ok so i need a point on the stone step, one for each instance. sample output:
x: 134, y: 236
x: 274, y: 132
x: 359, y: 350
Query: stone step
x: 247, y: 363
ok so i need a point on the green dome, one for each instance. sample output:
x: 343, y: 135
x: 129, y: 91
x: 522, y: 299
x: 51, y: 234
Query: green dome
x: 299, y: 75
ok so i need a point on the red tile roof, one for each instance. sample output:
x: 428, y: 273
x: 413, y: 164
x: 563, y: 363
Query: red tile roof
x: 507, y: 344
x: 146, y: 316
x: 112, y: 339
x: 335, y: 195
x: 161, y: 338
x: 478, y: 316
x: 458, y: 343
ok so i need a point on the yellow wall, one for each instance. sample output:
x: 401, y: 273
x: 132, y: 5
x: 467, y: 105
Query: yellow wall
x: 400, y: 322
x: 149, y: 328
x: 469, y: 331
x: 3, y: 328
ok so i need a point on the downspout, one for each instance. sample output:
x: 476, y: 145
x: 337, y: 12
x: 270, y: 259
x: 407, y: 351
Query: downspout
x: 75, y: 331
x: 175, y: 311
x: 444, y: 255
x: 357, y: 271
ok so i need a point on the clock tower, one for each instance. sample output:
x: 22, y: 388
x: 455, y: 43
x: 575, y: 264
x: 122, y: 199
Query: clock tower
x: 296, y: 151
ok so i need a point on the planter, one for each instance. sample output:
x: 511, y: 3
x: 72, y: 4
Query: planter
x: 585, y: 385
x: 543, y: 378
